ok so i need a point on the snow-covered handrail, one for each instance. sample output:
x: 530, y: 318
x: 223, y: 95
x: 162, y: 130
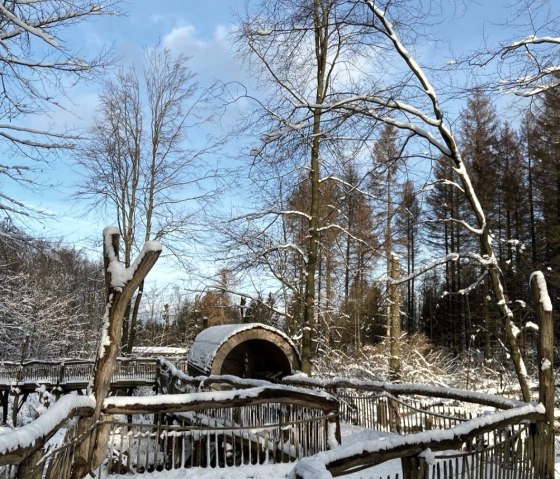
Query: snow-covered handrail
x: 17, y: 444
x: 370, y: 453
x: 405, y: 388
x: 163, y: 403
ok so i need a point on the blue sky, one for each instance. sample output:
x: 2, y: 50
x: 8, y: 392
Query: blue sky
x: 196, y: 29
x: 199, y: 29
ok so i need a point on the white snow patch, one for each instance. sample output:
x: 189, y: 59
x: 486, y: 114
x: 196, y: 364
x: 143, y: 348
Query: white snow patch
x: 544, y: 298
x: 27, y: 435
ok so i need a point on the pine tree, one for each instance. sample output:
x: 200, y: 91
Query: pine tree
x: 479, y: 143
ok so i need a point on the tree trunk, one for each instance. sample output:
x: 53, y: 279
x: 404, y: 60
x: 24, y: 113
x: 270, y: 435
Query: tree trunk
x: 134, y: 319
x: 320, y: 18
x: 120, y: 286
x: 545, y: 429
x: 394, y: 298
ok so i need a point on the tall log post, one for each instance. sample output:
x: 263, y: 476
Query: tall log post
x: 545, y: 429
x: 120, y: 284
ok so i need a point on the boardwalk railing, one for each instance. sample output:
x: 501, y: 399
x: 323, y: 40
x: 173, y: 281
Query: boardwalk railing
x: 259, y: 423
x: 402, y: 408
x: 228, y: 428
x: 507, y: 448
x: 74, y: 371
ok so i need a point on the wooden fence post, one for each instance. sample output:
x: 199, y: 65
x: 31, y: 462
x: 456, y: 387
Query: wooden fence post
x: 544, y: 453
x: 414, y: 467
x: 28, y: 468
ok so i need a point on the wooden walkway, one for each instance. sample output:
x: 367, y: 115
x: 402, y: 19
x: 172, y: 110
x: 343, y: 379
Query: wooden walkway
x: 22, y: 379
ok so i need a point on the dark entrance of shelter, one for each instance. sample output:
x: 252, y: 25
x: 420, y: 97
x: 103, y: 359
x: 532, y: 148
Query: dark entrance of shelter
x: 256, y: 358
x: 251, y: 350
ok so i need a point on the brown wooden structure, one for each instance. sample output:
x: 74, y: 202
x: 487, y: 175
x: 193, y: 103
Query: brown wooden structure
x: 21, y: 380
x: 250, y: 350
x: 259, y: 424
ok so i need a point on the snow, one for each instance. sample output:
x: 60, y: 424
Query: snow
x: 158, y: 350
x: 121, y: 275
x: 25, y: 436
x: 105, y: 337
x: 218, y: 396
x: 408, y: 388
x: 206, y: 345
x: 545, y: 364
x: 314, y: 467
x: 544, y: 298
x: 265, y: 471
x: 531, y: 325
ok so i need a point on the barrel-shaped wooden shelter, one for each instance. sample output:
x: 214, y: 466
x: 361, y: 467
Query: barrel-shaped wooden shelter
x: 251, y: 350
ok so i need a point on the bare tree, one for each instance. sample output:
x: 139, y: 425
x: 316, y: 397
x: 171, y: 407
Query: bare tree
x: 35, y: 66
x: 423, y: 118
x: 50, y: 295
x: 137, y: 163
x: 528, y: 63
x: 304, y: 51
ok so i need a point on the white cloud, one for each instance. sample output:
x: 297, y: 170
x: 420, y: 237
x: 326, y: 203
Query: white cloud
x: 213, y: 58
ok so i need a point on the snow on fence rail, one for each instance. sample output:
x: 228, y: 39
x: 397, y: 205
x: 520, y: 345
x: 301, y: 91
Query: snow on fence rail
x: 258, y: 423
x: 227, y: 427
x: 503, y: 445
x: 418, y: 451
x: 401, y: 408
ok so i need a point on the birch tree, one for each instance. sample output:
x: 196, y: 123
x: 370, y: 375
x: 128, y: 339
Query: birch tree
x: 35, y: 65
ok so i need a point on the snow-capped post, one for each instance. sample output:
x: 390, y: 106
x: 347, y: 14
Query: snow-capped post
x: 120, y: 284
x: 544, y: 464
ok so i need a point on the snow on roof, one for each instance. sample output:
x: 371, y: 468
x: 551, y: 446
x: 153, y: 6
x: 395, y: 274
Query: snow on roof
x: 157, y: 350
x: 208, y: 342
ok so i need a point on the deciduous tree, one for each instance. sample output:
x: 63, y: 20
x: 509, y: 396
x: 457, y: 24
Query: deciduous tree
x: 35, y: 65
x: 138, y: 164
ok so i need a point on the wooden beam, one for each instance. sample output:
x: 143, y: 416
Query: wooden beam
x: 167, y: 403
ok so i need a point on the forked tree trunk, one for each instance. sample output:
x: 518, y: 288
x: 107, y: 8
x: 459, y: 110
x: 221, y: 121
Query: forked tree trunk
x: 120, y: 284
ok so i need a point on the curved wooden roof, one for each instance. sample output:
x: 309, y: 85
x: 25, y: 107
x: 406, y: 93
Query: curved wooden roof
x: 216, y: 346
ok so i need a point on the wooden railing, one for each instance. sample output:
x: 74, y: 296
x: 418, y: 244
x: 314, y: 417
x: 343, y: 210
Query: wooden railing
x: 265, y: 423
x: 75, y: 371
x: 402, y: 408
x: 513, y: 454
x: 229, y: 428
x: 505, y: 442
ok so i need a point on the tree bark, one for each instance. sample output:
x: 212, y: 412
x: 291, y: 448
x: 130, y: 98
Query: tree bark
x: 120, y: 286
x: 320, y: 18
x: 545, y: 429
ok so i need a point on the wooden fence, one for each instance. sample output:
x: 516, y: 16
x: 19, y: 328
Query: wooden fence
x: 506, y: 449
x: 276, y: 424
x: 229, y: 428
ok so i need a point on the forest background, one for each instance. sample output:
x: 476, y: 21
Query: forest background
x: 303, y: 190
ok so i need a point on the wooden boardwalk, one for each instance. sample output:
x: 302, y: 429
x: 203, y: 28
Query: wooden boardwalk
x: 61, y: 377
